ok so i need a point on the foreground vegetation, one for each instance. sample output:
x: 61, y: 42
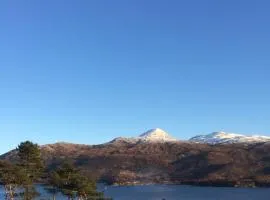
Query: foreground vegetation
x: 19, y: 177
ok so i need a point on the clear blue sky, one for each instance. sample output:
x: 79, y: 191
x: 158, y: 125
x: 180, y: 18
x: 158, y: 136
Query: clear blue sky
x: 89, y: 71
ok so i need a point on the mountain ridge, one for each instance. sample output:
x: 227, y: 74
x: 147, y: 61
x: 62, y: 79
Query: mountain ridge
x: 214, y: 138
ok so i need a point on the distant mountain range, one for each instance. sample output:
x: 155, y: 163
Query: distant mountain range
x: 159, y: 135
x: 218, y: 159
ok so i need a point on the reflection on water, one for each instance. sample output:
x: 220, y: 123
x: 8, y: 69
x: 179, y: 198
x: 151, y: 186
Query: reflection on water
x: 169, y: 192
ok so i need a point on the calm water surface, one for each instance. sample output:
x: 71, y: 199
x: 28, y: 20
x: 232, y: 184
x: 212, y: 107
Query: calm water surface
x: 172, y: 192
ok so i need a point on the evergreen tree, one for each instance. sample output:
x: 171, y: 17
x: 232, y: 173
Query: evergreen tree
x: 31, y: 163
x: 73, y: 184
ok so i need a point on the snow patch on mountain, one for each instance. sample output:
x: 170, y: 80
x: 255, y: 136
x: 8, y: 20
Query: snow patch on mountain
x: 228, y: 138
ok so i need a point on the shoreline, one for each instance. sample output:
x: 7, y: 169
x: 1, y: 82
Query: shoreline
x: 195, y: 184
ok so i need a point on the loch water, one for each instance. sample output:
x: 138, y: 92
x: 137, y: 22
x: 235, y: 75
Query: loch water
x: 169, y: 192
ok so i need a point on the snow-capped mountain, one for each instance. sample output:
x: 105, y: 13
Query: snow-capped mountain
x: 228, y: 138
x: 153, y: 135
x: 157, y: 134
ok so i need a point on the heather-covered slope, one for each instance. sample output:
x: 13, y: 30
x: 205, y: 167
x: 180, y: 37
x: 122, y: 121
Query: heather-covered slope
x: 171, y: 162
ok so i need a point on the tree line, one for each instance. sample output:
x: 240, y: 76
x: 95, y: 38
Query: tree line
x: 19, y: 178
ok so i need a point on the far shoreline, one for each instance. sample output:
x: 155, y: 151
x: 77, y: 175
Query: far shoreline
x: 193, y: 184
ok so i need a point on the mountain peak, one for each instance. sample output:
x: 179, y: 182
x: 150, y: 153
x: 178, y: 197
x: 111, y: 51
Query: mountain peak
x: 156, y: 134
